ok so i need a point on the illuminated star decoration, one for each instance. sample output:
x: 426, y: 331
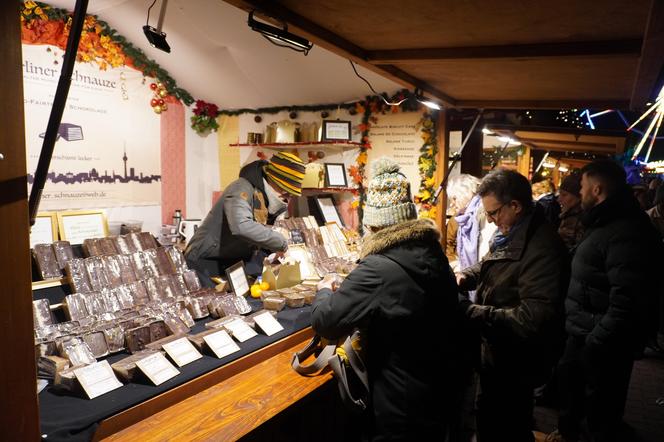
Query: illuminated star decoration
x: 655, y: 124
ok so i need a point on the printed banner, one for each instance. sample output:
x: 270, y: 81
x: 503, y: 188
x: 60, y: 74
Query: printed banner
x: 395, y: 136
x: 107, y: 151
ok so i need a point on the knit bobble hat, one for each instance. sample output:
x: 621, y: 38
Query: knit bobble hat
x: 572, y: 184
x: 389, y: 200
x: 286, y: 172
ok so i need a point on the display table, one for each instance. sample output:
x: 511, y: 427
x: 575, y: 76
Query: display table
x: 232, y: 408
x: 66, y: 417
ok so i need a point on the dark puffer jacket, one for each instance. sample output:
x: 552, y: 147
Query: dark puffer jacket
x: 404, y: 295
x: 520, y: 293
x: 615, y: 275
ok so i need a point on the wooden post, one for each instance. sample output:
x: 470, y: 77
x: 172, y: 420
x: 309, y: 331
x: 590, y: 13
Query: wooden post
x: 19, y: 418
x: 442, y: 163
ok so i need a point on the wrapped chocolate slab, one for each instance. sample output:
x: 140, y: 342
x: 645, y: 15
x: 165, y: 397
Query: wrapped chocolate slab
x: 177, y: 259
x: 96, y: 275
x: 294, y: 300
x: 127, y: 274
x: 126, y: 368
x: 175, y: 325
x: 46, y: 261
x: 97, y: 343
x: 77, y: 276
x: 274, y: 304
x: 111, y: 265
x: 135, y: 241
x: 251, y: 322
x: 220, y: 323
x: 111, y: 303
x: 234, y: 305
x: 287, y: 291
x: 309, y: 297
x: 63, y: 253
x: 137, y: 338
x: 115, y: 338
x: 150, y: 262
x: 94, y: 303
x: 164, y: 263
x: 197, y: 307
x: 198, y: 340
x: 214, y: 307
x: 41, y: 313
x: 270, y: 294
x: 186, y: 317
x: 152, y: 288
x: 124, y: 245
x: 75, y: 307
x: 77, y: 351
x: 158, y: 330
x: 107, y: 246
x: 179, y: 286
x: 49, y: 366
x: 192, y: 281
x: 166, y: 287
x: 124, y: 296
x: 66, y: 380
x: 147, y: 240
x: 158, y: 344
x: 91, y: 247
x: 139, y: 292
x: 44, y: 347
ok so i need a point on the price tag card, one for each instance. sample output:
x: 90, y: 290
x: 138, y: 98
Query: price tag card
x: 221, y: 343
x: 157, y: 368
x: 240, y: 330
x: 268, y: 323
x: 97, y: 379
x: 182, y: 351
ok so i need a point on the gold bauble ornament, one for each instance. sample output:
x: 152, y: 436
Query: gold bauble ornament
x: 163, y: 93
x: 164, y: 107
x: 160, y: 85
x: 157, y: 109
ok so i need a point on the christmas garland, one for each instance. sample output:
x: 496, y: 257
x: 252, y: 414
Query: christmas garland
x: 100, y: 44
x: 369, y: 108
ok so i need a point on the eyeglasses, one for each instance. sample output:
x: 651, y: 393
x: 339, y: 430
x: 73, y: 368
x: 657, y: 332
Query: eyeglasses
x: 492, y: 214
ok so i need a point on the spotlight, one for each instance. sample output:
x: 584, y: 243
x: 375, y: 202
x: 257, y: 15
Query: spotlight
x: 276, y: 36
x: 155, y: 36
x: 430, y: 104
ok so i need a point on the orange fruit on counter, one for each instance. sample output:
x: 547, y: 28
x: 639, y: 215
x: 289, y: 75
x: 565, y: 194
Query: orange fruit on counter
x: 265, y: 285
x: 256, y: 291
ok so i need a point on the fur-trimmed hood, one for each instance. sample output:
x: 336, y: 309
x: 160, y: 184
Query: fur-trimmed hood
x: 392, y: 236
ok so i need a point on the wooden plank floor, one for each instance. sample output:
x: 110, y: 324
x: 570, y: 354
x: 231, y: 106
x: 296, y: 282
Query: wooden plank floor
x: 230, y: 409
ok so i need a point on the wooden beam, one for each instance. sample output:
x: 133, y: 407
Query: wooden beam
x: 558, y: 49
x: 652, y: 57
x: 19, y: 418
x: 572, y: 103
x: 335, y: 43
x: 442, y: 164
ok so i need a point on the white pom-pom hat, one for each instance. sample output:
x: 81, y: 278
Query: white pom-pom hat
x: 389, y: 199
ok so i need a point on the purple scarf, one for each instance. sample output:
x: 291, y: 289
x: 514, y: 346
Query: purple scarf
x: 468, y: 234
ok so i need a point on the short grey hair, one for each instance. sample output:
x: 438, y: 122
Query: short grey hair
x: 461, y: 189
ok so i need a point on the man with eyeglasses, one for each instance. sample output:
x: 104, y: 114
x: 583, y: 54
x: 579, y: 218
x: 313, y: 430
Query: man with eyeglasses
x: 519, y: 313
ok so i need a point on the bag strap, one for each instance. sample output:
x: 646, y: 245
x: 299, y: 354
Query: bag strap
x: 337, y: 364
x: 325, y: 352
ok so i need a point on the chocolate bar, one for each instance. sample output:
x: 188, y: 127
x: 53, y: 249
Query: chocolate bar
x: 94, y: 303
x: 111, y: 303
x: 294, y: 300
x: 165, y: 287
x: 107, y: 246
x: 126, y: 269
x: 75, y: 306
x: 158, y: 330
x: 276, y: 304
x: 135, y: 241
x: 192, y: 281
x: 164, y: 263
x: 45, y: 348
x: 220, y: 323
x: 124, y: 296
x: 91, y: 247
x: 175, y: 325
x: 111, y: 265
x: 77, y: 351
x: 139, y: 292
x: 124, y: 245
x: 77, y: 276
x: 95, y: 268
x: 41, y: 313
x: 179, y: 286
x: 114, y: 338
x: 63, y: 253
x: 177, y: 259
x: 46, y: 261
x: 97, y: 343
x: 158, y: 344
x: 147, y: 240
x: 126, y: 368
x: 186, y: 317
x: 251, y: 321
x: 309, y: 297
x: 198, y: 340
x: 49, y: 366
x: 150, y: 266
x: 197, y: 307
x: 137, y: 338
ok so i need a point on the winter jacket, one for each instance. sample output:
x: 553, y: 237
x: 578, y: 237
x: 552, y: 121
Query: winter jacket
x: 520, y: 291
x: 615, y: 275
x: 571, y: 227
x: 656, y: 215
x: 404, y: 296
x: 235, y: 226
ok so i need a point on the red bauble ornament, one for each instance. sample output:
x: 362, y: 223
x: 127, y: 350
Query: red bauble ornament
x: 161, y: 102
x: 153, y: 86
x: 154, y: 102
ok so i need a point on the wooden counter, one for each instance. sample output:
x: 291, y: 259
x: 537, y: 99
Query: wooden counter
x: 236, y: 398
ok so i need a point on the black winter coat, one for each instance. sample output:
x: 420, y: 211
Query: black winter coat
x: 615, y: 275
x: 404, y: 295
x: 520, y: 293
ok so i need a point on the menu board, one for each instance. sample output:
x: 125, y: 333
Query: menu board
x: 78, y: 226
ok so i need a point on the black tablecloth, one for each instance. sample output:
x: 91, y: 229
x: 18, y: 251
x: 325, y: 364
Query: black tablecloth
x: 70, y: 418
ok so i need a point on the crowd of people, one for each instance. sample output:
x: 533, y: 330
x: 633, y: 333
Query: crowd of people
x: 459, y: 350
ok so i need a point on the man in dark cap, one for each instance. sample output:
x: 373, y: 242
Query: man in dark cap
x: 237, y: 225
x: 569, y: 198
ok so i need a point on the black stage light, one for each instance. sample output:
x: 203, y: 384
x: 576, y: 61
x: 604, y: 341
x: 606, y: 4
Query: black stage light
x: 157, y: 39
x: 277, y: 36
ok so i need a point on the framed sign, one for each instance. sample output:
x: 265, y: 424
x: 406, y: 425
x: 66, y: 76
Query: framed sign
x: 238, y: 279
x: 45, y: 229
x: 335, y: 175
x: 79, y: 225
x: 336, y: 130
x: 328, y: 210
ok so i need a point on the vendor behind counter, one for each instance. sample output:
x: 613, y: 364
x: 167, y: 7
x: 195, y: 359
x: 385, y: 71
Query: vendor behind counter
x: 237, y: 227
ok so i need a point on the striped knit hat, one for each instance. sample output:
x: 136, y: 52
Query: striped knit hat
x: 286, y: 172
x: 388, y: 199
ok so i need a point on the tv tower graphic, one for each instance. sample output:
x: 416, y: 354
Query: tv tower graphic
x: 124, y: 158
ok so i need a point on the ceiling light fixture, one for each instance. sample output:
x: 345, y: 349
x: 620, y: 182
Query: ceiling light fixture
x: 155, y: 36
x: 277, y: 36
x: 486, y: 131
x: 508, y: 140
